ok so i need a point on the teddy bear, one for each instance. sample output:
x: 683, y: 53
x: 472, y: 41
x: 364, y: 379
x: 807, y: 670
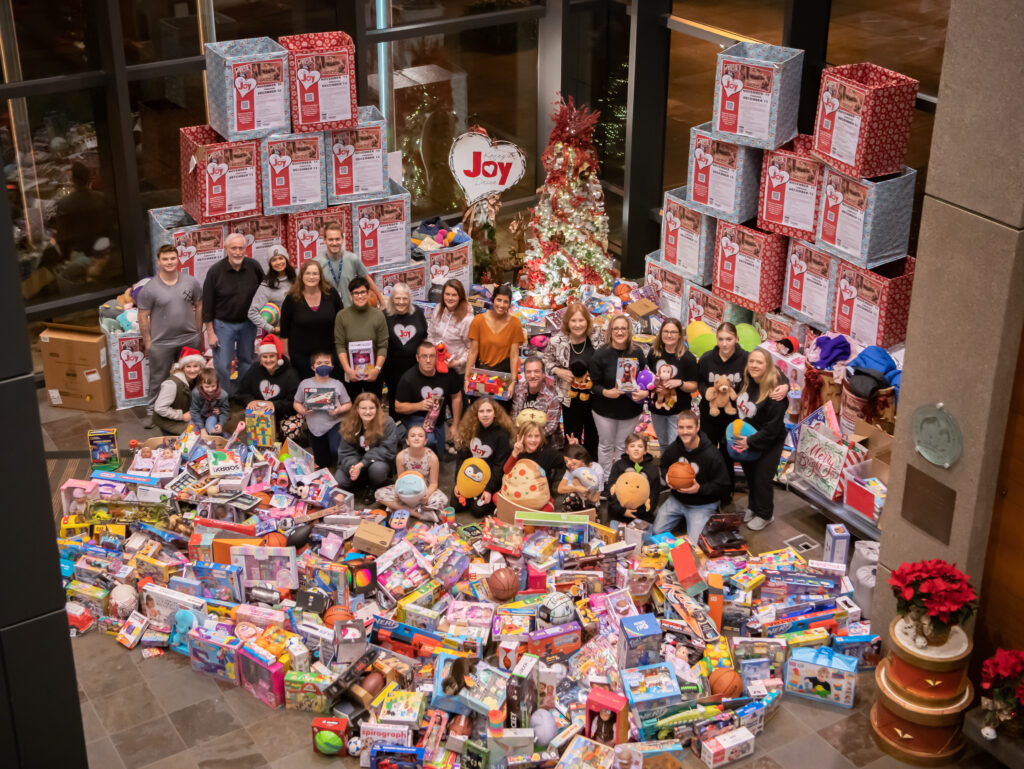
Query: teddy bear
x: 665, y: 397
x: 581, y: 382
x: 720, y: 397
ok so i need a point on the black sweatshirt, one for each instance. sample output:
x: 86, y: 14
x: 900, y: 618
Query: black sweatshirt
x: 493, y: 445
x: 278, y: 387
x: 768, y: 417
x: 308, y: 330
x: 549, y: 460
x: 685, y: 368
x: 603, y: 368
x: 648, y: 468
x: 710, y: 467
x: 227, y: 293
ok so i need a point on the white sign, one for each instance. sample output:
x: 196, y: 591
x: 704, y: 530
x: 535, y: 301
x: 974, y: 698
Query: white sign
x: 484, y: 168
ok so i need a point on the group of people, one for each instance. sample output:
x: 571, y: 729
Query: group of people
x: 323, y: 361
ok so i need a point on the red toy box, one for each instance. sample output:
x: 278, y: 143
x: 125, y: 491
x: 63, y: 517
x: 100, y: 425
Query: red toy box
x: 306, y: 232
x: 750, y: 266
x: 220, y: 180
x: 791, y: 182
x: 322, y: 66
x: 872, y: 306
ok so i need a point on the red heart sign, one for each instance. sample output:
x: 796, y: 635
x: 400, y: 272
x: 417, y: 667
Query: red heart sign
x: 484, y: 168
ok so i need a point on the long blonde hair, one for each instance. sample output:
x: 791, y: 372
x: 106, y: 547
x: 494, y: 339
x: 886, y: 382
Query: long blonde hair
x: 469, y: 425
x: 769, y: 380
x: 352, y: 424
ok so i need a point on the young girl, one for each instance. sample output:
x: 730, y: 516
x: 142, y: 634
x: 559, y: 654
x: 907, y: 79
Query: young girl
x: 635, y: 458
x: 418, y: 458
x: 322, y: 422
x: 369, y: 442
x: 485, y: 432
x: 584, y: 479
x: 670, y: 358
x: 210, y: 409
x: 530, y: 445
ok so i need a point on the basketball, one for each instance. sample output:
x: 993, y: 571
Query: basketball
x: 337, y: 614
x: 726, y: 682
x: 680, y: 475
x: 503, y: 584
x: 275, y: 539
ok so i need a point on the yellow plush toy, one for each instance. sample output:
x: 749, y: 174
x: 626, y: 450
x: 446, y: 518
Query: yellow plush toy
x: 472, y: 479
x: 633, y: 491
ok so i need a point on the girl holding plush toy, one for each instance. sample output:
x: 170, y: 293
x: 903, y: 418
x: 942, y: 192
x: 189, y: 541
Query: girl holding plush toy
x: 675, y: 378
x: 485, y: 432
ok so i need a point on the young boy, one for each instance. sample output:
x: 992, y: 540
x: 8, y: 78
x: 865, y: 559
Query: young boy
x: 321, y: 401
x: 635, y: 458
x: 210, y: 409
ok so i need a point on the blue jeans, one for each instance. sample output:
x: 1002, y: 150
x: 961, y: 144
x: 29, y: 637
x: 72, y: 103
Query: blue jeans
x: 672, y: 511
x: 233, y: 340
x: 665, y: 428
x: 325, y: 447
x: 211, y: 423
x: 435, y: 439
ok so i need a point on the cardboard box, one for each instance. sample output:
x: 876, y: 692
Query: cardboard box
x: 810, y: 284
x: 757, y: 94
x: 381, y: 228
x: 453, y: 262
x: 669, y: 281
x: 263, y: 234
x: 703, y: 305
x: 865, y: 222
x: 413, y: 275
x: 372, y: 538
x: 872, y: 306
x: 294, y: 170
x: 199, y: 246
x: 723, y: 179
x: 791, y: 181
x: 322, y: 91
x: 129, y: 369
x: 247, y: 88
x: 305, y: 232
x: 75, y: 368
x: 687, y: 238
x: 863, y: 120
x: 220, y: 180
x: 359, y: 158
x: 727, y: 747
x: 750, y: 266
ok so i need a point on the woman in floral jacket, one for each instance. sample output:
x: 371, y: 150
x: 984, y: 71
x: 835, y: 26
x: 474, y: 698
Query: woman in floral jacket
x: 574, y: 343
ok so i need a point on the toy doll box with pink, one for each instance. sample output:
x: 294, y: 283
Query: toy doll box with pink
x: 872, y: 306
x: 266, y: 564
x: 381, y: 228
x: 214, y: 653
x: 322, y: 91
x: 791, y: 180
x: 220, y: 180
x: 294, y: 169
x: 810, y: 284
x: 358, y: 159
x: 669, y: 282
x: 687, y: 238
x: 247, y: 88
x: 306, y: 232
x: 701, y: 304
x: 757, y: 94
x: 750, y: 266
x: 199, y: 246
x: 261, y: 675
x: 723, y: 178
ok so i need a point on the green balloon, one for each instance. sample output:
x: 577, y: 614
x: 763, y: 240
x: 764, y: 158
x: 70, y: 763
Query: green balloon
x: 702, y: 343
x: 747, y: 336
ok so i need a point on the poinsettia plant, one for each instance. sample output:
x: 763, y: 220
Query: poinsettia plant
x: 1002, y: 685
x: 935, y: 588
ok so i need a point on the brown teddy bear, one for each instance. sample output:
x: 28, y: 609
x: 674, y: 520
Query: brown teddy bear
x: 720, y: 397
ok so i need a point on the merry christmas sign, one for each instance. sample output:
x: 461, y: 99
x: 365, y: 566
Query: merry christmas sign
x: 483, y: 167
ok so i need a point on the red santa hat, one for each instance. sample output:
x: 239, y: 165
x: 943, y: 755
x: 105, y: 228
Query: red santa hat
x: 191, y: 355
x: 270, y: 344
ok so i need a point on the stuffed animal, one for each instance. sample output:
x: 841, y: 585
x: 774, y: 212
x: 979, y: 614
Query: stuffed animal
x: 410, y: 488
x: 633, y: 491
x: 536, y: 416
x: 472, y: 479
x: 665, y: 397
x: 581, y: 382
x: 526, y: 484
x: 720, y: 397
x: 443, y: 356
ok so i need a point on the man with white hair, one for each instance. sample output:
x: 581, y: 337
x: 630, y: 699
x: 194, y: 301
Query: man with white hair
x: 227, y: 293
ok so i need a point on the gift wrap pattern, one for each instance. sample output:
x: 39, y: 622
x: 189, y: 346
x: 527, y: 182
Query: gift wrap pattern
x: 723, y: 179
x: 750, y: 266
x: 810, y: 284
x: 294, y: 170
x: 359, y: 159
x: 220, y: 180
x: 381, y: 228
x: 688, y: 238
x: 323, y: 80
x: 247, y: 88
x: 790, y: 196
x: 872, y: 306
x: 305, y: 230
x: 669, y: 282
x: 199, y: 246
x: 129, y: 369
x: 702, y: 304
x: 262, y: 235
x: 413, y: 275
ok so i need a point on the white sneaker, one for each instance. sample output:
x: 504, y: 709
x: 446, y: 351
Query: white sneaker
x: 757, y: 523
x: 748, y: 515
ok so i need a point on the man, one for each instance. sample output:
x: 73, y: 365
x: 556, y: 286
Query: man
x: 700, y: 501
x: 170, y: 318
x: 82, y: 216
x: 361, y: 323
x: 227, y: 293
x: 339, y: 266
x: 539, y: 394
x: 422, y: 392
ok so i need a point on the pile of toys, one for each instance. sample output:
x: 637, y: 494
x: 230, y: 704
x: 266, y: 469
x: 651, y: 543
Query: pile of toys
x: 547, y: 641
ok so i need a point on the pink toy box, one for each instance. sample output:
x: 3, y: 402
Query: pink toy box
x: 214, y: 653
x: 261, y: 675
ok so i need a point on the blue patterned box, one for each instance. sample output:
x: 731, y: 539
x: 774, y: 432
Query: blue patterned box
x: 247, y: 88
x: 294, y: 173
x: 199, y: 245
x: 865, y: 222
x: 688, y: 237
x: 359, y: 158
x: 670, y: 283
x: 810, y: 291
x: 381, y: 228
x: 413, y: 274
x: 757, y: 94
x: 724, y: 179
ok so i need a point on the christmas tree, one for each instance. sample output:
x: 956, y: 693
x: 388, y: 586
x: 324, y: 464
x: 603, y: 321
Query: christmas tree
x: 568, y: 232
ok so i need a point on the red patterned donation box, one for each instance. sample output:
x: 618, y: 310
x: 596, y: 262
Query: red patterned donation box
x: 872, y: 306
x: 701, y: 304
x: 219, y: 180
x: 863, y: 121
x: 810, y: 284
x: 322, y: 66
x: 821, y: 457
x: 749, y: 267
x: 790, y: 187
x: 306, y: 232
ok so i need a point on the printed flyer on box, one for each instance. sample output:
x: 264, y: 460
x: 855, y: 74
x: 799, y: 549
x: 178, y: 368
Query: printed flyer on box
x: 324, y: 87
x: 857, y: 312
x: 294, y: 168
x: 791, y: 191
x: 682, y: 236
x: 715, y: 175
x: 307, y: 229
x: 260, y: 100
x: 842, y: 213
x: 746, y: 99
x: 199, y: 248
x: 449, y: 263
x: 132, y: 367
x: 231, y: 180
x: 383, y: 237
x: 739, y: 262
x: 261, y: 236
x: 808, y: 276
x: 839, y: 120
x: 414, y: 276
x: 358, y: 161
x: 670, y: 289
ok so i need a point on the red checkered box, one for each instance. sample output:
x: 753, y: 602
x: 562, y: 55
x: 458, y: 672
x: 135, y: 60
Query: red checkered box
x: 750, y: 267
x: 863, y: 122
x: 322, y: 66
x: 219, y: 180
x: 791, y: 181
x: 306, y: 232
x: 872, y: 306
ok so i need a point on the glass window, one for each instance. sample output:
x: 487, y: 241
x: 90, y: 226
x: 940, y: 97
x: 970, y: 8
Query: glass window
x: 691, y: 97
x: 760, y: 19
x: 155, y: 30
x: 237, y: 19
x: 53, y: 38
x: 416, y: 11
x: 56, y: 156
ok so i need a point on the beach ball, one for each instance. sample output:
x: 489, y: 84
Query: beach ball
x: 271, y: 313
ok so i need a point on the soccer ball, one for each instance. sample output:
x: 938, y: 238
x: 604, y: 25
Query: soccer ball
x: 271, y: 313
x: 555, y: 609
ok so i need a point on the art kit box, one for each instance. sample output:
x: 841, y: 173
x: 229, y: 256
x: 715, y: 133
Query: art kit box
x: 220, y: 180
x: 263, y: 234
x: 359, y: 158
x: 413, y: 275
x: 199, y: 246
x: 810, y: 284
x: 863, y: 120
x: 791, y: 181
x: 294, y: 169
x: 305, y: 232
x: 750, y: 266
x: 322, y: 91
x: 214, y: 653
x: 822, y: 674
x: 757, y: 94
x: 723, y: 178
x: 865, y: 222
x: 669, y: 282
x: 247, y: 88
x: 687, y: 237
x: 702, y: 304
x: 129, y: 369
x: 872, y: 306
x: 75, y: 367
x: 453, y: 262
x: 381, y: 228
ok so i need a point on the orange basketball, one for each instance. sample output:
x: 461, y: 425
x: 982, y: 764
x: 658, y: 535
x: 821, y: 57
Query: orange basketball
x: 726, y: 682
x: 275, y: 539
x: 503, y: 584
x: 680, y: 475
x: 337, y: 614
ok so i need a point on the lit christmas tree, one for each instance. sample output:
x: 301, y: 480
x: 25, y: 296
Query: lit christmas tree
x: 568, y: 232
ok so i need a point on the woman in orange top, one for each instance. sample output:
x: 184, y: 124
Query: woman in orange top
x: 494, y: 339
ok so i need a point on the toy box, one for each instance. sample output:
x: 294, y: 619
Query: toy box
x: 863, y: 119
x: 639, y: 641
x: 502, y: 537
x: 381, y: 228
x: 305, y: 232
x: 359, y: 158
x: 865, y: 222
x: 309, y: 691
x: 337, y: 726
x: 396, y: 757
x: 668, y: 281
x: 261, y: 675
x: 103, y: 448
x: 247, y: 88
x: 757, y: 94
x: 488, y: 691
x: 260, y: 423
x: 810, y: 284
x: 220, y: 581
x: 161, y: 604
x: 490, y: 384
x: 652, y: 690
x: 687, y: 238
x: 323, y: 80
x: 402, y: 707
x: 263, y: 235
x: 413, y: 274
x: 521, y: 691
x: 723, y: 178
x: 865, y: 648
x: 266, y: 564
x: 371, y: 735
x: 557, y: 642
x: 822, y: 674
x: 586, y: 753
x: 199, y: 246
x: 129, y: 369
x: 133, y: 628
x: 220, y: 180
x: 607, y: 717
x: 872, y: 306
x: 750, y: 266
x: 214, y: 653
x: 837, y: 543
x: 701, y: 304
x: 791, y: 181
x: 294, y: 169
x: 727, y: 747
x: 372, y: 538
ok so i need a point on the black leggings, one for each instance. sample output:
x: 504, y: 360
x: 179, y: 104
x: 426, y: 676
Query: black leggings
x: 760, y: 475
x: 714, y: 428
x: 578, y: 421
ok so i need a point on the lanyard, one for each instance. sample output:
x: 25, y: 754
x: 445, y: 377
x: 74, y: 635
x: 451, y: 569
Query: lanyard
x: 336, y: 276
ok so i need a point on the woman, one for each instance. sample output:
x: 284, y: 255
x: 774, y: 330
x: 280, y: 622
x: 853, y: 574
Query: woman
x: 531, y: 444
x: 574, y: 343
x: 675, y: 369
x: 494, y: 339
x: 273, y: 289
x: 307, y: 319
x: 171, y: 409
x: 485, y: 432
x: 407, y: 327
x: 369, y: 442
x: 616, y: 411
x: 767, y: 417
x: 449, y: 325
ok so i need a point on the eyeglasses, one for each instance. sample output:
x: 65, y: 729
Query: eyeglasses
x: 360, y: 292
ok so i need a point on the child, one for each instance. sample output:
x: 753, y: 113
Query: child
x: 210, y: 408
x: 529, y: 444
x: 322, y: 400
x: 635, y: 458
x: 583, y: 480
x: 418, y: 458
